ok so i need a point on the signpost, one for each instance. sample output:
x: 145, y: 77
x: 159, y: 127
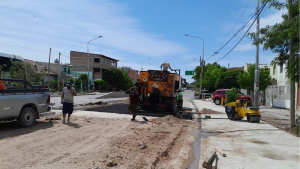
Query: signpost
x: 190, y: 72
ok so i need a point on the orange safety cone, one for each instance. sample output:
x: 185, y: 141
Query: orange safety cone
x: 222, y: 101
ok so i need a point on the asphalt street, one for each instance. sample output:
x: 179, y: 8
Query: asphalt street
x: 83, y: 99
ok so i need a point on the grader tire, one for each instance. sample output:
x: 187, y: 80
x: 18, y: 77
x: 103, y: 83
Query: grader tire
x: 254, y: 119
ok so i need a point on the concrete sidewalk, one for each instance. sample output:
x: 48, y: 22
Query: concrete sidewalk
x: 247, y: 145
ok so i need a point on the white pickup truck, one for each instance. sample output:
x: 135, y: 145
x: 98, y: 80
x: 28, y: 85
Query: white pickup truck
x: 25, y: 105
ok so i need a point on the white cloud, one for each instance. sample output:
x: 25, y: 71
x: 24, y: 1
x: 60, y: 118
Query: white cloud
x: 272, y: 19
x: 244, y: 47
x: 69, y: 25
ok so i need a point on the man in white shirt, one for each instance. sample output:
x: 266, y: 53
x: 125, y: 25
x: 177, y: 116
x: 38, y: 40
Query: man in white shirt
x: 67, y: 99
x: 165, y: 66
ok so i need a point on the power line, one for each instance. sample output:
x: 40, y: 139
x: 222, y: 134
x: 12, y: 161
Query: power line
x: 25, y: 47
x: 235, y: 24
x: 234, y: 35
x: 261, y: 9
x: 252, y: 16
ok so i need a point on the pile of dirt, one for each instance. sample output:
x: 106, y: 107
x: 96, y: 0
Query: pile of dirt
x: 170, y: 120
x: 93, y: 142
x: 209, y: 111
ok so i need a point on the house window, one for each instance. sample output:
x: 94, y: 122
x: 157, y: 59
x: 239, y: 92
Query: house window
x: 68, y: 71
x: 106, y: 61
x: 96, y: 60
x: 103, y: 60
x: 96, y: 70
x: 274, y: 68
x: 113, y: 63
x: 281, y: 68
x: 65, y: 70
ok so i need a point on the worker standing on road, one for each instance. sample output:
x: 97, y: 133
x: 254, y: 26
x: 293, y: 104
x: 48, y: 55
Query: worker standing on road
x: 179, y: 100
x: 67, y: 99
x: 133, y: 102
x: 165, y: 66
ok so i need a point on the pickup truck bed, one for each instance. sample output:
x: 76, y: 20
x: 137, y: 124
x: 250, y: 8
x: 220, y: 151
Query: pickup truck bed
x: 23, y: 104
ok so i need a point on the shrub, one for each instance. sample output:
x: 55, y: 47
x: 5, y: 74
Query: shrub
x: 231, y: 95
x: 102, y: 84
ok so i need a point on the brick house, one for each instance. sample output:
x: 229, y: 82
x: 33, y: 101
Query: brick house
x: 98, y: 64
x: 134, y: 75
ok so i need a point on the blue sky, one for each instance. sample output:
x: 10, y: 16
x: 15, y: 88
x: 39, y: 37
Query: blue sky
x: 132, y: 31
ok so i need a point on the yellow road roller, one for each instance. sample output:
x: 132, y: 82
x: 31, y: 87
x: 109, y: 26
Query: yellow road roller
x: 237, y: 111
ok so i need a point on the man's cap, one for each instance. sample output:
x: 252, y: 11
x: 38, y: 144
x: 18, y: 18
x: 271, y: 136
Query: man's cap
x: 68, y: 83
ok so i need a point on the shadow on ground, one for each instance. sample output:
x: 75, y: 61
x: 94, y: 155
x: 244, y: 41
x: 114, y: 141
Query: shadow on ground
x: 123, y: 109
x: 11, y: 128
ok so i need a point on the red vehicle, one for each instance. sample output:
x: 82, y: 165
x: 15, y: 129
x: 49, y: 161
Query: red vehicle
x: 221, y: 93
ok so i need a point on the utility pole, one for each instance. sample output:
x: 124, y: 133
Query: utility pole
x: 202, y: 63
x: 256, y: 79
x: 292, y: 78
x: 59, y: 70
x: 49, y: 66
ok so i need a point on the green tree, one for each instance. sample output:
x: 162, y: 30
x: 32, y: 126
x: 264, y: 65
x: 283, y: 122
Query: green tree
x: 53, y: 84
x: 212, y: 73
x: 71, y: 80
x: 114, y: 77
x: 246, y: 79
x: 102, y: 84
x: 231, y: 95
x: 125, y: 69
x: 77, y: 84
x: 127, y: 82
x: 25, y: 71
x: 83, y: 79
x: 228, y: 80
x: 283, y: 38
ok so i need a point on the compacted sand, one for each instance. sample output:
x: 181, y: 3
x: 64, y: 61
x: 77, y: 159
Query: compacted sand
x: 92, y: 142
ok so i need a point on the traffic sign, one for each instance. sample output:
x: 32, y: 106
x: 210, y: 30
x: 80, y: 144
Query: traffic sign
x: 190, y: 72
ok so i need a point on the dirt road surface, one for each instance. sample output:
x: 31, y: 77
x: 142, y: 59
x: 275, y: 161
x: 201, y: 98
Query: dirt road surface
x: 89, y: 142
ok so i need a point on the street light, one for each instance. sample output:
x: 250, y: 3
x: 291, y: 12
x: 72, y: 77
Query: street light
x: 89, y: 62
x: 142, y: 63
x: 201, y: 64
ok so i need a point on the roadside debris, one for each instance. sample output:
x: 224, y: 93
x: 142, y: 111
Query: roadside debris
x: 208, y: 111
x: 53, y: 118
x: 111, y: 164
x: 143, y: 146
x: 208, y: 163
x: 220, y: 152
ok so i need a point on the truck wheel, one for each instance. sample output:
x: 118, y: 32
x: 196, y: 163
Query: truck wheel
x: 217, y: 101
x: 27, y: 117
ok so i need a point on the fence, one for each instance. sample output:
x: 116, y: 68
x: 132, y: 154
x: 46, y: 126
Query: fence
x: 278, y: 96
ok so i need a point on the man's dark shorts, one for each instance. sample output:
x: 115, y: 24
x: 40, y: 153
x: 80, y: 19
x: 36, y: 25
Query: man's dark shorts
x: 132, y: 108
x: 67, y: 108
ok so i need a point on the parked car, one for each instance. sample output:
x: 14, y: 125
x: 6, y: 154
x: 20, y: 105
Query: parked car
x: 221, y: 93
x: 25, y: 105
